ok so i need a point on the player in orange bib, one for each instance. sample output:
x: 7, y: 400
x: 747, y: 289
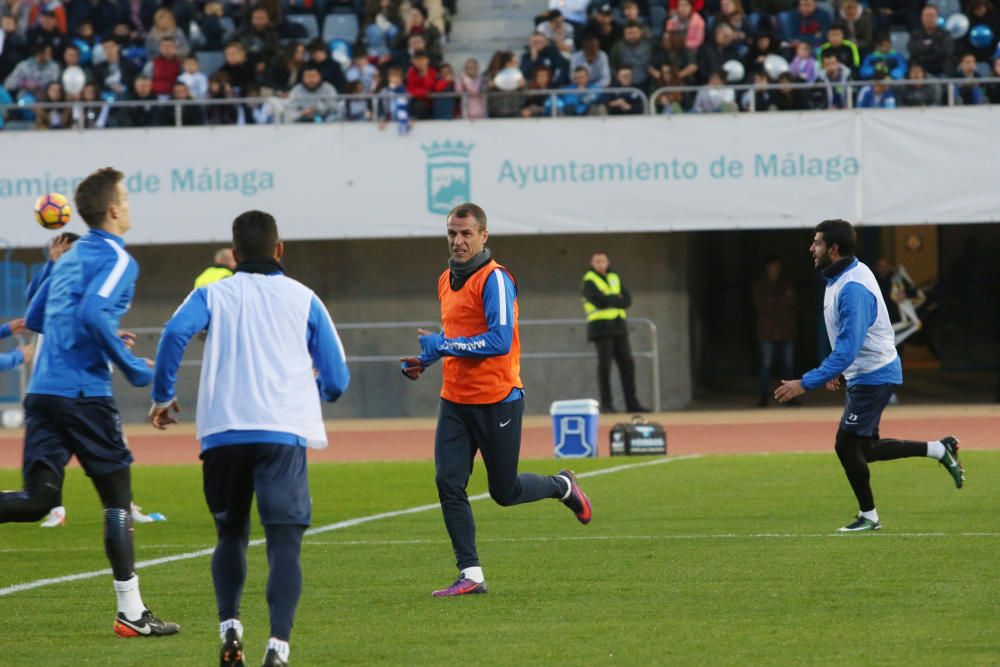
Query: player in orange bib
x: 482, y: 397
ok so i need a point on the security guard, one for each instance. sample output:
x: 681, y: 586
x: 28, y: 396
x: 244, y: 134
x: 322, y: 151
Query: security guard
x: 224, y: 266
x: 605, y: 300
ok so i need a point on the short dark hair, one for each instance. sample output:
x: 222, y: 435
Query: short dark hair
x: 632, y: 24
x: 837, y: 26
x: 839, y: 233
x: 469, y: 209
x: 316, y: 45
x: 96, y: 193
x: 255, y: 235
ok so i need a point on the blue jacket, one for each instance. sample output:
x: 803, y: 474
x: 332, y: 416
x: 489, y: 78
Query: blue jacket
x: 78, y: 309
x: 12, y: 359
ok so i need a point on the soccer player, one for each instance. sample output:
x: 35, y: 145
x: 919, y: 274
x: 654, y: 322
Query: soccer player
x: 69, y: 408
x: 482, y: 398
x: 864, y: 352
x: 258, y: 410
x: 22, y: 355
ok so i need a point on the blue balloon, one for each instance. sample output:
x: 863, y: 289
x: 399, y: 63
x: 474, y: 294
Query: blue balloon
x: 981, y: 36
x: 940, y: 22
x: 85, y: 55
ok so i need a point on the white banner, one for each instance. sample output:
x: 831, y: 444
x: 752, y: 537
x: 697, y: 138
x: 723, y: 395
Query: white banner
x: 570, y: 175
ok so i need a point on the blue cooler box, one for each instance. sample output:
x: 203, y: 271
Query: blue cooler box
x: 574, y: 428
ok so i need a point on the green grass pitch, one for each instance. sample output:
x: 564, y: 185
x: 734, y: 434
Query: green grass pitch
x: 710, y: 561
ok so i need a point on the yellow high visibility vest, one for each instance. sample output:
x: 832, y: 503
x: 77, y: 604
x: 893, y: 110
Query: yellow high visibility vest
x: 611, y: 284
x: 210, y: 275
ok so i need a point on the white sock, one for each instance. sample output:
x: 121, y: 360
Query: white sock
x: 935, y: 449
x: 129, y: 599
x: 871, y: 516
x: 569, y: 486
x: 280, y: 646
x: 230, y: 623
x: 474, y: 574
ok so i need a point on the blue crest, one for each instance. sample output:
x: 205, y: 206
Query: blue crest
x: 448, y: 175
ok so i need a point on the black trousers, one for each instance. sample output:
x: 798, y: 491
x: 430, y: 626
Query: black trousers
x: 495, y: 431
x: 617, y: 348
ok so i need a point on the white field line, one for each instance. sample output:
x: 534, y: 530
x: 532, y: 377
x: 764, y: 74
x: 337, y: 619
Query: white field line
x: 339, y: 525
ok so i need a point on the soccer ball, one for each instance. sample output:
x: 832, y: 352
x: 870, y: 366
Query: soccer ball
x: 52, y: 211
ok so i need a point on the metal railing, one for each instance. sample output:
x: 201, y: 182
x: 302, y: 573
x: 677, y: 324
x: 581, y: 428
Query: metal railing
x: 652, y: 352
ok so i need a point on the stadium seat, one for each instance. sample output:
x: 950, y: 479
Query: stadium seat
x: 307, y: 21
x: 209, y: 62
x: 901, y: 42
x: 341, y: 26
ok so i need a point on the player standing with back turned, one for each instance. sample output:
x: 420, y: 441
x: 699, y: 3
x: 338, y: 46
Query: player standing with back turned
x: 482, y: 397
x: 864, y: 351
x: 69, y: 408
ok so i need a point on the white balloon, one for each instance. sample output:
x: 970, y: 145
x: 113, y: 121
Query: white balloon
x: 957, y: 25
x: 734, y: 71
x: 73, y: 80
x: 12, y: 418
x: 509, y: 79
x: 775, y: 66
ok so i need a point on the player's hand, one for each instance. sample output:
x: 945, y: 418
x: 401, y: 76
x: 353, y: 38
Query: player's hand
x: 149, y: 362
x: 160, y: 418
x: 127, y: 337
x: 788, y: 390
x: 58, y: 246
x: 17, y: 326
x: 833, y: 385
x: 29, y: 352
x: 411, y: 367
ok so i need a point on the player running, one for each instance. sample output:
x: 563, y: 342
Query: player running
x: 482, y: 397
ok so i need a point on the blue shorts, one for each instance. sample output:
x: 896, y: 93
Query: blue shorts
x: 277, y: 473
x: 56, y: 428
x: 864, y: 406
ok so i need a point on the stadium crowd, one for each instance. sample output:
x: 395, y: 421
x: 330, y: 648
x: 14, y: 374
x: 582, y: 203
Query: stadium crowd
x: 320, y: 60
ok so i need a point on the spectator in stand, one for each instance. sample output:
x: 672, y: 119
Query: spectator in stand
x: 981, y: 12
x: 762, y: 44
x: 55, y: 8
x: 285, y: 70
x: 356, y: 109
x: 669, y: 102
x: 630, y: 12
x: 585, y: 98
x: 102, y: 15
x: 420, y: 81
x: 540, y: 53
x: 804, y: 67
x: 899, y: 14
x: 416, y: 24
x: 47, y: 31
x: 624, y: 102
x: 926, y: 94
x: 394, y: 105
x: 595, y: 60
x: 834, y: 78
x: 845, y: 50
x: 499, y: 103
x: 239, y: 72
x: 878, y: 95
x: 33, y: 74
x: 52, y: 119
x: 760, y: 95
x: 883, y: 59
x: 191, y: 114
x: 686, y: 21
x: 402, y: 57
x: 633, y: 51
x: 13, y: 47
x: 719, y: 50
x: 538, y: 103
x: 259, y: 38
x: 96, y: 115
x: 673, y: 52
x: 715, y: 96
x: 932, y: 47
x: 382, y: 30
x: 314, y: 100
x: 807, y: 23
x: 114, y: 75
x: 446, y: 107
x: 968, y: 91
x: 164, y: 69
x: 71, y: 58
x: 275, y: 9
x: 193, y: 78
x: 471, y: 84
x: 573, y: 11
x: 857, y: 23
x: 993, y: 89
x: 213, y: 31
x: 164, y: 26
x: 361, y: 69
x: 17, y: 10
x: 603, y: 27
x: 787, y: 98
x: 319, y: 55
x: 146, y: 115
x: 731, y: 12
x: 221, y: 88
x: 558, y: 31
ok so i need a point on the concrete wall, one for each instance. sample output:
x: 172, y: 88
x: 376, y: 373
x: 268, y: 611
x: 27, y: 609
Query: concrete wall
x: 395, y: 280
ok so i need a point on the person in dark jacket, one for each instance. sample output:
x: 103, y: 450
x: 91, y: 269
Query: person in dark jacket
x: 774, y: 298
x: 605, y: 299
x: 931, y: 46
